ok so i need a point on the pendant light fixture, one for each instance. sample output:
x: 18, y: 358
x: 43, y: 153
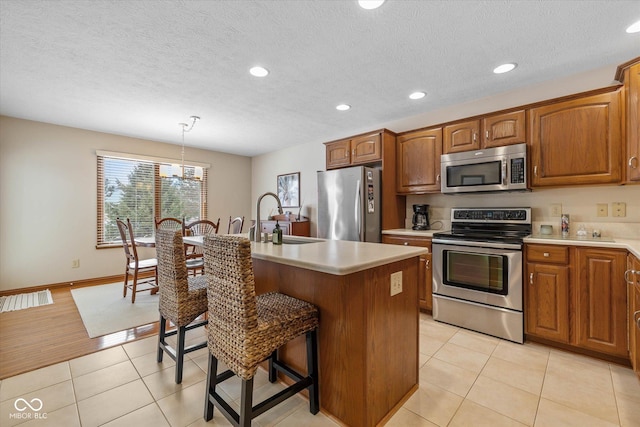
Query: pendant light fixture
x: 178, y: 170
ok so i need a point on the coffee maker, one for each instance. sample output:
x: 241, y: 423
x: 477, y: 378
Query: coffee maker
x: 420, y: 217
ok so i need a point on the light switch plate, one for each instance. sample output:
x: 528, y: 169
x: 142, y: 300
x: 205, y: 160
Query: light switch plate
x: 396, y: 283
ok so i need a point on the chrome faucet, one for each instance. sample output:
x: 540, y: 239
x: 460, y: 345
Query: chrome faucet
x: 257, y: 232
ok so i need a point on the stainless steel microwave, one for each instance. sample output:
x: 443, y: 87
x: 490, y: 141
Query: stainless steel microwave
x: 492, y: 169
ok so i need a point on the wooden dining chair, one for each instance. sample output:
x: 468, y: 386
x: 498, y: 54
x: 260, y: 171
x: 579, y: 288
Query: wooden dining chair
x: 194, y: 254
x: 168, y: 223
x: 235, y: 225
x: 135, y: 265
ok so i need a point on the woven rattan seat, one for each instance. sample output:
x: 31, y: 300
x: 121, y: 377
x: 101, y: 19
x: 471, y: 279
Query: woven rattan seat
x: 182, y: 298
x: 245, y: 330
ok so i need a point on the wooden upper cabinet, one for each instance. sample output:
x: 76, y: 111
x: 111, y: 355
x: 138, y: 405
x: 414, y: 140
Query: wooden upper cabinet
x: 366, y: 149
x: 418, y: 161
x: 490, y: 131
x: 629, y: 74
x: 504, y: 129
x: 355, y: 151
x: 463, y: 136
x: 577, y: 141
x: 338, y: 154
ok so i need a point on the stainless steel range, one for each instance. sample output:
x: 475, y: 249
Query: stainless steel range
x: 477, y: 271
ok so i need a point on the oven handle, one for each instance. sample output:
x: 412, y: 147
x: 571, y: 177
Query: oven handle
x: 474, y: 244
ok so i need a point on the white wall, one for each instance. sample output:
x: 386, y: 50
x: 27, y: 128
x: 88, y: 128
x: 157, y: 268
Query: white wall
x: 48, y: 199
x: 577, y: 201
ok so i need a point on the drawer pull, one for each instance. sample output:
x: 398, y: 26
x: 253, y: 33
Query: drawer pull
x: 531, y: 278
x: 546, y: 254
x: 427, y: 262
x: 627, y: 275
x: 406, y: 243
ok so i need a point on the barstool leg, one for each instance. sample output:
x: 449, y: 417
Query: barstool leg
x: 212, y: 371
x: 273, y: 375
x: 163, y: 330
x: 246, y: 403
x: 182, y: 331
x: 312, y: 368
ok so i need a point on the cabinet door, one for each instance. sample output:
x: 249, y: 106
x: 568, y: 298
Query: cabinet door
x: 632, y: 277
x: 577, y: 141
x: 425, y: 291
x: 461, y: 137
x: 601, y: 301
x: 632, y: 84
x: 366, y: 149
x: 547, y: 303
x: 504, y: 129
x: 418, y: 161
x: 338, y: 154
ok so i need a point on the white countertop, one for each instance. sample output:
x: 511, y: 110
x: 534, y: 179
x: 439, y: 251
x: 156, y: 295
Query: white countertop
x: 337, y: 257
x: 632, y: 245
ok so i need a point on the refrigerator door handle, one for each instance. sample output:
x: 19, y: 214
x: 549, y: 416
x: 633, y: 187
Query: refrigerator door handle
x: 358, y: 209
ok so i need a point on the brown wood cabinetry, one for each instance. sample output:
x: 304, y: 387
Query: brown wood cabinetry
x: 490, y: 131
x: 632, y: 277
x: 577, y: 141
x: 418, y: 161
x: 289, y: 226
x: 425, y: 273
x: 576, y: 296
x: 601, y: 301
x: 547, y: 292
x: 354, y: 151
x: 629, y: 74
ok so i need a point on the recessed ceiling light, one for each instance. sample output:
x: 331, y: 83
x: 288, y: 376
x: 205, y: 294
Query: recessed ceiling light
x: 633, y: 28
x: 505, y: 68
x: 259, y: 71
x: 370, y: 4
x: 343, y: 107
x: 417, y: 95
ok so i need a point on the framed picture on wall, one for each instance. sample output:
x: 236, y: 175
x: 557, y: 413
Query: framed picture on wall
x: 289, y: 190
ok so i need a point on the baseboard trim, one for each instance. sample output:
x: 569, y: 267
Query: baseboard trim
x: 74, y: 284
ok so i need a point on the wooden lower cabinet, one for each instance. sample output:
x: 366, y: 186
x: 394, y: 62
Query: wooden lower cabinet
x: 601, y: 301
x: 425, y: 274
x: 632, y: 277
x: 576, y: 296
x: 547, y: 309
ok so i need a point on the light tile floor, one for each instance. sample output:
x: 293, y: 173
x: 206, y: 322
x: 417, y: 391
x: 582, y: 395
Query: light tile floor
x: 466, y: 379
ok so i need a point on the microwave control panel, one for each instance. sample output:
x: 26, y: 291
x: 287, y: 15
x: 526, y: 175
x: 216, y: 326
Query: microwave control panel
x: 517, y: 170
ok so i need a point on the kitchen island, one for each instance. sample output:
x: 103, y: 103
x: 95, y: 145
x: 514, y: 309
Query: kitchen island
x: 368, y: 339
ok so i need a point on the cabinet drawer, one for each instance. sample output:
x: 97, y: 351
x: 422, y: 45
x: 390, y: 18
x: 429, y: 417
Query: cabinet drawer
x: 548, y: 253
x: 407, y: 241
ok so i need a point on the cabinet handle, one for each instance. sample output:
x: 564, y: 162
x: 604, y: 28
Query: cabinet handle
x: 546, y: 254
x: 353, y: 152
x: 531, y: 278
x: 535, y: 171
x: 636, y: 318
x: 631, y: 162
x: 406, y: 243
x: 427, y: 261
x: 438, y: 178
x: 486, y: 134
x: 627, y: 275
x: 475, y: 137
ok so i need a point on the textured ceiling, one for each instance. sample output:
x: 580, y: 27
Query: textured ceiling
x: 137, y: 68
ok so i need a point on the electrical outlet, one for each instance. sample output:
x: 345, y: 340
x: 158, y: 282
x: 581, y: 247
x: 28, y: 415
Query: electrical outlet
x: 75, y: 263
x: 603, y: 209
x: 396, y: 283
x: 556, y: 209
x: 618, y: 209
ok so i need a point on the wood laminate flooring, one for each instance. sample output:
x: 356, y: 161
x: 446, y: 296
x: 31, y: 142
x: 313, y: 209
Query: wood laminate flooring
x: 41, y: 336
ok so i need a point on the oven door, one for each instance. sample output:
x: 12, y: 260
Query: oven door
x: 485, y: 275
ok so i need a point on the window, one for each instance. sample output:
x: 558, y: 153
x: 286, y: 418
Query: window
x: 140, y: 189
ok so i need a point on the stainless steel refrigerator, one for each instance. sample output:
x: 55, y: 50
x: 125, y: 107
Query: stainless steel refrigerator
x: 349, y: 204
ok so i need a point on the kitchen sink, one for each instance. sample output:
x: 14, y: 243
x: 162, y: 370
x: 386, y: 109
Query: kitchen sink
x: 293, y: 240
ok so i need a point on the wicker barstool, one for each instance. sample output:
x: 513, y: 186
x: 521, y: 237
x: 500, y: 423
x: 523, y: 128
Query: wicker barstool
x: 182, y: 298
x: 245, y: 330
